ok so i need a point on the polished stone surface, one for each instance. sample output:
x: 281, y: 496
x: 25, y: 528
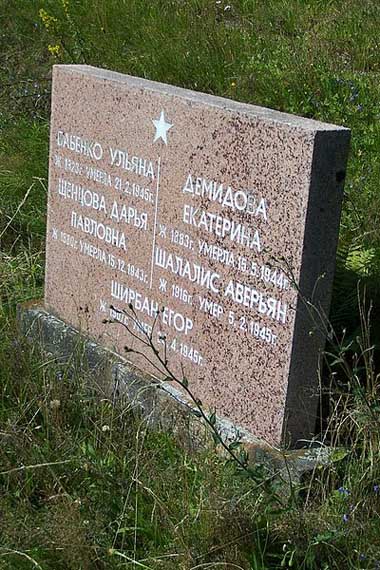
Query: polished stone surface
x: 223, y: 217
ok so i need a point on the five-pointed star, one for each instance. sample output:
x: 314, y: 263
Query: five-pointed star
x: 162, y: 128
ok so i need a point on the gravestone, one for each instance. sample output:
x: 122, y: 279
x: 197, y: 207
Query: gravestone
x: 209, y: 224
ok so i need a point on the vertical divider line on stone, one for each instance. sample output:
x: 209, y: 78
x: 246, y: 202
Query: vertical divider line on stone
x: 155, y: 221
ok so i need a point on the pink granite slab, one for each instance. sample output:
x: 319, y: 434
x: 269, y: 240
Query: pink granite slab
x: 223, y: 216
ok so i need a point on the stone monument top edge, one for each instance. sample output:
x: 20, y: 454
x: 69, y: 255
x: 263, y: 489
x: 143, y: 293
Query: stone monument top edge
x: 248, y: 109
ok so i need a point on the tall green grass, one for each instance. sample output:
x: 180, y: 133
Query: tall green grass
x: 86, y: 485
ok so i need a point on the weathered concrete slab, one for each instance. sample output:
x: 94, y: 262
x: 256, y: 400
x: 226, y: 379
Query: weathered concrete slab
x: 160, y: 405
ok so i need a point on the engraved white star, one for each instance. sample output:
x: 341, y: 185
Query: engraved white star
x: 162, y: 128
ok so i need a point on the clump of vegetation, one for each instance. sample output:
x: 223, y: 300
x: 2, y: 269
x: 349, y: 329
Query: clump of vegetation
x: 84, y: 483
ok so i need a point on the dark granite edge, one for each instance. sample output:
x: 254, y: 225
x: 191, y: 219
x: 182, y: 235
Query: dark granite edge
x: 315, y: 287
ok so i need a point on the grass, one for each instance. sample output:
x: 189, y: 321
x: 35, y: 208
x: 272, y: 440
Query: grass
x: 84, y: 483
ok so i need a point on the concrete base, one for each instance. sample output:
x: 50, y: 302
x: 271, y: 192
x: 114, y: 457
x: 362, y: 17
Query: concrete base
x: 159, y: 403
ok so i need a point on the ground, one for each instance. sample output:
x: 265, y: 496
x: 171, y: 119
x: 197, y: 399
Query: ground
x: 84, y: 483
